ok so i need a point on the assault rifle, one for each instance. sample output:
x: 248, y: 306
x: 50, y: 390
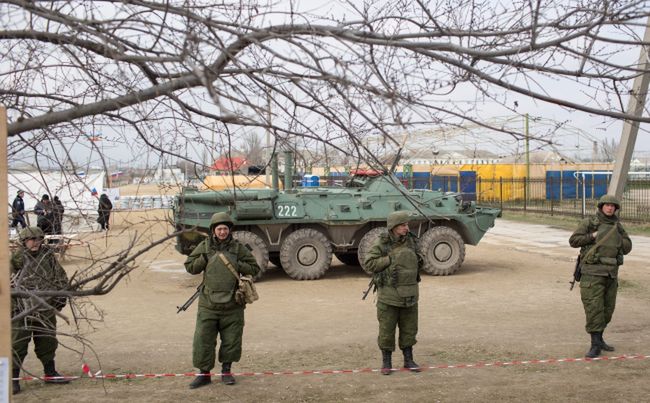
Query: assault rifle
x: 191, y: 300
x: 370, y: 285
x: 577, y: 274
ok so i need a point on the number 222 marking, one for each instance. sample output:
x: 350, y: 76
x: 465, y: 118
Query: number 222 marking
x: 287, y: 211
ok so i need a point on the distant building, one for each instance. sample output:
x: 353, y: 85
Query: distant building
x: 168, y: 175
x: 470, y: 157
x: 225, y: 164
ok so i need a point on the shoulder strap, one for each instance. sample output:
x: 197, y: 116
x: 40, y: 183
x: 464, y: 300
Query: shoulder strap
x: 225, y: 261
x: 593, y: 249
x: 619, y: 227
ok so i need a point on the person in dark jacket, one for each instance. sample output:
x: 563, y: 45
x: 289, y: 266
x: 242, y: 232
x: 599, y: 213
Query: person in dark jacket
x: 219, y: 314
x: 395, y: 262
x: 34, y: 267
x: 602, y: 242
x: 104, y: 211
x: 18, y: 210
x: 57, y: 209
x: 45, y: 215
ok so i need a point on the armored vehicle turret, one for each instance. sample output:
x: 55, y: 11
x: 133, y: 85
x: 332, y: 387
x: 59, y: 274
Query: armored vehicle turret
x: 300, y: 229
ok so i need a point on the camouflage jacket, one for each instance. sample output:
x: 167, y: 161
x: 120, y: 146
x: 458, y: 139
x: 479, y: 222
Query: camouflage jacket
x: 396, y: 264
x: 36, y: 271
x: 603, y: 254
x: 219, y: 284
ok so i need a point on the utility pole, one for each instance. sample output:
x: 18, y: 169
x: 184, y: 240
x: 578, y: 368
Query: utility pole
x: 594, y: 151
x: 5, y: 289
x: 630, y: 129
x: 527, y: 143
x: 268, y: 139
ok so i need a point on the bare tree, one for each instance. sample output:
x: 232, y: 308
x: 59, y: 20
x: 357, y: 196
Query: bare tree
x: 252, y: 148
x: 608, y: 149
x: 139, y: 70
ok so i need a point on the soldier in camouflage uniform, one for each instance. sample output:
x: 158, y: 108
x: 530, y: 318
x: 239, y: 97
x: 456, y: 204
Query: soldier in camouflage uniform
x: 34, y: 267
x: 218, y: 313
x: 396, y: 264
x: 602, y: 242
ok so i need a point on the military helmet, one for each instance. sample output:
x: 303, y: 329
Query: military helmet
x: 30, y: 232
x: 396, y: 218
x: 609, y: 199
x: 221, y: 218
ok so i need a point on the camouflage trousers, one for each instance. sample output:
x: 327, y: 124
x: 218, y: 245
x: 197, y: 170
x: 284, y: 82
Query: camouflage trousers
x: 389, y: 318
x: 598, y: 294
x: 228, y: 325
x: 42, y: 330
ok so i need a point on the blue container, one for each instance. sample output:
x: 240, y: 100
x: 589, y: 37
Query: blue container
x: 310, y: 181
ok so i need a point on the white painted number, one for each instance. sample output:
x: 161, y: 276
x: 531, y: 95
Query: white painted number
x: 287, y: 211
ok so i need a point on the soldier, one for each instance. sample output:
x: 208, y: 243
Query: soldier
x: 104, y: 211
x: 218, y: 313
x: 57, y: 214
x: 34, y: 267
x: 45, y: 215
x: 602, y: 242
x: 18, y: 211
x: 396, y: 264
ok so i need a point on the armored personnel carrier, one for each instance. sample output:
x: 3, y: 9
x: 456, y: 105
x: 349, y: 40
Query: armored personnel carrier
x: 300, y: 229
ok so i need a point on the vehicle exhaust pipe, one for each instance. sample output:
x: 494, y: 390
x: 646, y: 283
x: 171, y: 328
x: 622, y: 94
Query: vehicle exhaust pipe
x: 274, y: 172
x: 288, y: 174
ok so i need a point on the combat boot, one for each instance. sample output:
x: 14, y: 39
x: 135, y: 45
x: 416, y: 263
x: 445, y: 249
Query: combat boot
x: 202, y: 379
x: 604, y: 345
x: 50, y: 372
x: 386, y: 362
x: 594, y: 351
x: 226, y: 375
x: 15, y: 385
x: 408, y: 360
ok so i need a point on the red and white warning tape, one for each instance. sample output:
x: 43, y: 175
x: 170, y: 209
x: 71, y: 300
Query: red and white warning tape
x: 99, y: 375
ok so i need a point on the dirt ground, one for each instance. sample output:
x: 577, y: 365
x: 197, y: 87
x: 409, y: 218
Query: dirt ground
x: 509, y: 302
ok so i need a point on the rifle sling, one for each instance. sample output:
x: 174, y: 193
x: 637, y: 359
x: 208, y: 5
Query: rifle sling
x: 225, y: 261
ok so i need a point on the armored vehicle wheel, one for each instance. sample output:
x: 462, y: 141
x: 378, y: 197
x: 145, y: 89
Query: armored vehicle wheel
x: 257, y: 247
x: 275, y: 259
x: 366, y: 243
x: 351, y: 259
x: 443, y: 250
x: 306, y: 254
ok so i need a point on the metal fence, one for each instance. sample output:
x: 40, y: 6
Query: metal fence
x: 555, y: 197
